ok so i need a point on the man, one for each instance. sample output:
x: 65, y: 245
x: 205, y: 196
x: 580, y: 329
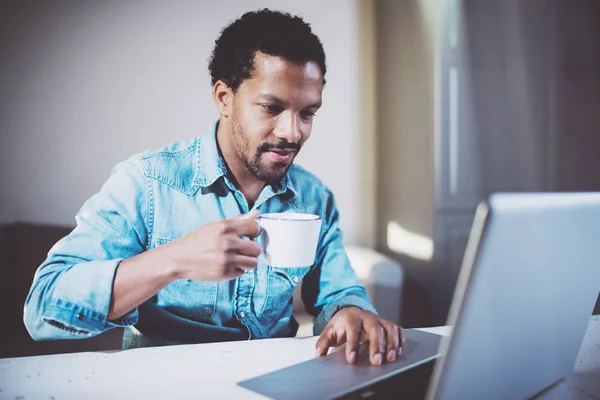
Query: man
x: 164, y: 246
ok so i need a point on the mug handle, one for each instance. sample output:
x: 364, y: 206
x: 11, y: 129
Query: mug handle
x: 260, y: 228
x: 264, y: 238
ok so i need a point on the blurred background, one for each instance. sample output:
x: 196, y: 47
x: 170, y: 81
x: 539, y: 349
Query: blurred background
x: 430, y: 105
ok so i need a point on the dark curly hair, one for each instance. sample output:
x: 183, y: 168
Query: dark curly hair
x: 270, y: 32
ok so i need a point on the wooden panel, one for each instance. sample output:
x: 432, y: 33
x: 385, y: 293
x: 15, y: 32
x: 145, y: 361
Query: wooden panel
x: 452, y: 236
x: 458, y: 157
x: 577, y: 94
x: 494, y: 103
x: 4, y: 280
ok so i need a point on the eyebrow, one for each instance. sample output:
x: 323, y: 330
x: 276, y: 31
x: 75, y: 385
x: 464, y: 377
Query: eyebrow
x: 277, y: 100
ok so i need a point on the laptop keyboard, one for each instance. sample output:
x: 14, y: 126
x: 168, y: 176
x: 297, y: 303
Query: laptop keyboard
x: 411, y: 384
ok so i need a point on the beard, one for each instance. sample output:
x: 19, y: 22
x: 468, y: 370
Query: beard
x: 257, y: 164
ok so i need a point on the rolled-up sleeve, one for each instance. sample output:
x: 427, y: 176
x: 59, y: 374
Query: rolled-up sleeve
x: 71, y: 291
x: 332, y: 283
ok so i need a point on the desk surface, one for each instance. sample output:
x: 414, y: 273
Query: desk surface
x: 208, y: 370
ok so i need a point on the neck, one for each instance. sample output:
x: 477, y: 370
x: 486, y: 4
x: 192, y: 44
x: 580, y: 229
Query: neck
x: 244, y: 181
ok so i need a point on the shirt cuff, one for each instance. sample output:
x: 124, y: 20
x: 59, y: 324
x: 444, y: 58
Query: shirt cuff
x: 352, y: 300
x: 84, y: 303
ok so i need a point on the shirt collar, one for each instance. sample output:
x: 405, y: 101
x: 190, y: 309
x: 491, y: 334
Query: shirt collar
x: 211, y: 165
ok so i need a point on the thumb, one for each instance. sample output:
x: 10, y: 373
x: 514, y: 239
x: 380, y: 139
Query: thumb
x: 254, y: 214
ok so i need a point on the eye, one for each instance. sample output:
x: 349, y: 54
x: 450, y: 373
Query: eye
x: 272, y: 109
x: 307, y: 115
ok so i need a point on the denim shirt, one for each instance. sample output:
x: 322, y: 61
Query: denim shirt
x: 159, y: 196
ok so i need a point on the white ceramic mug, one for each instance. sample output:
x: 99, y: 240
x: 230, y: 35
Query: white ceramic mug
x: 289, y: 240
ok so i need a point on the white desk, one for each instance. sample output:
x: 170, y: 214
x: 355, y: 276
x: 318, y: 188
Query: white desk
x: 207, y: 371
x: 203, y: 371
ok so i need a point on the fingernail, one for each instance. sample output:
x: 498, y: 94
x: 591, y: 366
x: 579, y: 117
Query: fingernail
x: 400, y: 350
x: 352, y: 357
x: 377, y: 359
x: 318, y: 352
x: 391, y: 355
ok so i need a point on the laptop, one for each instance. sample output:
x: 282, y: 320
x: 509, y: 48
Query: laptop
x: 526, y: 290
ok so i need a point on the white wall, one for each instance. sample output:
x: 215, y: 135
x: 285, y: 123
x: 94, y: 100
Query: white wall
x: 83, y: 85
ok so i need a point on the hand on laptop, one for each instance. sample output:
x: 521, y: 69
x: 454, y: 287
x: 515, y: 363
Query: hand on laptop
x: 352, y: 325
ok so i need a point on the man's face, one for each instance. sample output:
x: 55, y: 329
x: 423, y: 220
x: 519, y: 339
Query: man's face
x: 272, y: 114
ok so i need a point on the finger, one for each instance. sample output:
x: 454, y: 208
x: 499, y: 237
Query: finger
x: 352, y: 342
x: 241, y: 227
x: 245, y: 247
x: 237, y: 272
x: 392, y: 341
x: 325, y: 341
x: 251, y: 215
x: 242, y: 262
x: 402, y: 339
x: 377, y: 339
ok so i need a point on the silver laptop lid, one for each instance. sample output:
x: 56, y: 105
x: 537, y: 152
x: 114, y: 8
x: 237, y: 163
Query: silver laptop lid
x: 526, y: 290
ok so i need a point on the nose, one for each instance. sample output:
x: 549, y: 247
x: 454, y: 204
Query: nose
x: 288, y: 127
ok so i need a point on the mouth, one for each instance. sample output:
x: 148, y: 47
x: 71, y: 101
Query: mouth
x: 280, y: 156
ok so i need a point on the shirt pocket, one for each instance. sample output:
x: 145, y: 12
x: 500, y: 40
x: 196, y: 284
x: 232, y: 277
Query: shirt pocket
x: 188, y: 298
x: 281, y: 284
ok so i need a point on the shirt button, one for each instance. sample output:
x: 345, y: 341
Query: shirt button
x: 80, y: 316
x: 242, y: 314
x: 296, y: 279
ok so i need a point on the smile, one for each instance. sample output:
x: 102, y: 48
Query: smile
x: 281, y: 156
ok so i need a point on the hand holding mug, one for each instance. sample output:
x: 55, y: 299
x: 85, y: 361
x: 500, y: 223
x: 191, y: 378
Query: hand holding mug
x: 217, y: 251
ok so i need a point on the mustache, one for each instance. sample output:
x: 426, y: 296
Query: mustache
x: 281, y: 145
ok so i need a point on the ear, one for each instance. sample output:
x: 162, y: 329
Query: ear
x: 223, y: 97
